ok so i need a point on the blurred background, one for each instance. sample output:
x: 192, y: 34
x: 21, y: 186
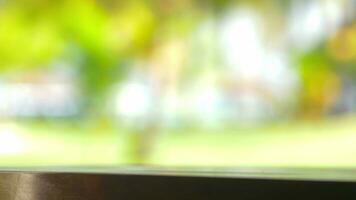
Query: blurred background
x: 231, y: 83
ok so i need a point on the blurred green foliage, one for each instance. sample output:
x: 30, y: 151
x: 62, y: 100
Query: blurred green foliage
x: 99, y: 37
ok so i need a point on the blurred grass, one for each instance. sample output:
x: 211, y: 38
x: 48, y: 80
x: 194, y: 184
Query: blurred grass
x: 330, y: 143
x: 327, y: 143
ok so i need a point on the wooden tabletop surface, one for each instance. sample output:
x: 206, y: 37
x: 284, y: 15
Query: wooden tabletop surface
x: 136, y: 183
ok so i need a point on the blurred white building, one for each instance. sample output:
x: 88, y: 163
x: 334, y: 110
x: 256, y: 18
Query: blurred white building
x: 47, y: 93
